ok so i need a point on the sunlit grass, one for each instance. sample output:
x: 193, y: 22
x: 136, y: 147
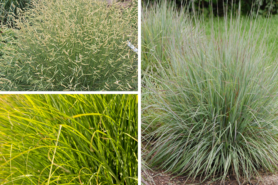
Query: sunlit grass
x: 68, y: 139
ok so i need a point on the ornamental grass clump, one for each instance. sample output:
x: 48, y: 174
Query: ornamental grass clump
x: 165, y: 22
x: 74, y: 45
x: 68, y: 139
x: 213, y: 112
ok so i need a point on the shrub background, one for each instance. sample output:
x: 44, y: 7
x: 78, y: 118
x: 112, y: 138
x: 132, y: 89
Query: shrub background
x: 265, y: 7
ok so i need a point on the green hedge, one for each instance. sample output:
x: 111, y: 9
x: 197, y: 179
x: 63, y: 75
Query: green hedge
x: 218, y: 6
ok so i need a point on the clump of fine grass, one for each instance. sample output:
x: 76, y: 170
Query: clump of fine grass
x: 213, y: 111
x: 81, y: 45
x: 68, y: 139
x: 164, y: 26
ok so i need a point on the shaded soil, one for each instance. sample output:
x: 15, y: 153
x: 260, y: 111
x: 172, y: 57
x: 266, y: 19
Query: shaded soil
x: 160, y: 178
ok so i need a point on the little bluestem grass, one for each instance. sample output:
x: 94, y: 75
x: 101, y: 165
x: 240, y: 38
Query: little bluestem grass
x: 212, y: 111
x: 156, y: 32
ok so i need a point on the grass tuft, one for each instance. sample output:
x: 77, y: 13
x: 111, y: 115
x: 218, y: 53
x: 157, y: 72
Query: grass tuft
x: 82, y: 45
x: 213, y: 111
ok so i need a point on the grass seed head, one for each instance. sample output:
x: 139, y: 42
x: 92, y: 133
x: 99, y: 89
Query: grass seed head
x: 72, y: 44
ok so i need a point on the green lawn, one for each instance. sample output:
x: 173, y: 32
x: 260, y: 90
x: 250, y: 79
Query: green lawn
x: 266, y: 27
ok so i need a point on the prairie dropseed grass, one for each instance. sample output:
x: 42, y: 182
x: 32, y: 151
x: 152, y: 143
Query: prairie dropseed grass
x: 68, y: 139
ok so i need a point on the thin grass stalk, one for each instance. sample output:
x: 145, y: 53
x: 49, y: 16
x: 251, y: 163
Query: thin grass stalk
x: 98, y: 142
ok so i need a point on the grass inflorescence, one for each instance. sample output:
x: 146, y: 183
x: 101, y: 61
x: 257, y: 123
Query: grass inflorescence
x: 210, y: 103
x: 81, y: 45
x: 68, y: 139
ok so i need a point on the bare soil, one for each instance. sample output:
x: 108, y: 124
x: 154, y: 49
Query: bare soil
x: 161, y: 178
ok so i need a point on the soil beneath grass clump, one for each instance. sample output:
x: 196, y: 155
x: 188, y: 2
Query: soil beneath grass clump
x: 161, y: 178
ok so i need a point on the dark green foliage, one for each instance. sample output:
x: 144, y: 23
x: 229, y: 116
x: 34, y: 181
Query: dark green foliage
x: 247, y: 7
x: 7, y: 36
x: 11, y: 7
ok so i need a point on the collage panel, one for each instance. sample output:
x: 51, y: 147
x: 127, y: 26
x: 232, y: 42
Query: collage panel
x: 157, y: 92
x: 69, y: 139
x: 209, y: 91
x: 69, y: 45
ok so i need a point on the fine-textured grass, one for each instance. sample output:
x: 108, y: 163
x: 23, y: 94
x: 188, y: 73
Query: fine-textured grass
x: 81, y: 45
x: 156, y: 31
x: 7, y: 46
x: 212, y: 111
x: 68, y: 139
x: 157, y: 28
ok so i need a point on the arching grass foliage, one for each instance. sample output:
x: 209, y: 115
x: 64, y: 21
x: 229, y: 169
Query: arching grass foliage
x: 213, y: 111
x: 68, y: 139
